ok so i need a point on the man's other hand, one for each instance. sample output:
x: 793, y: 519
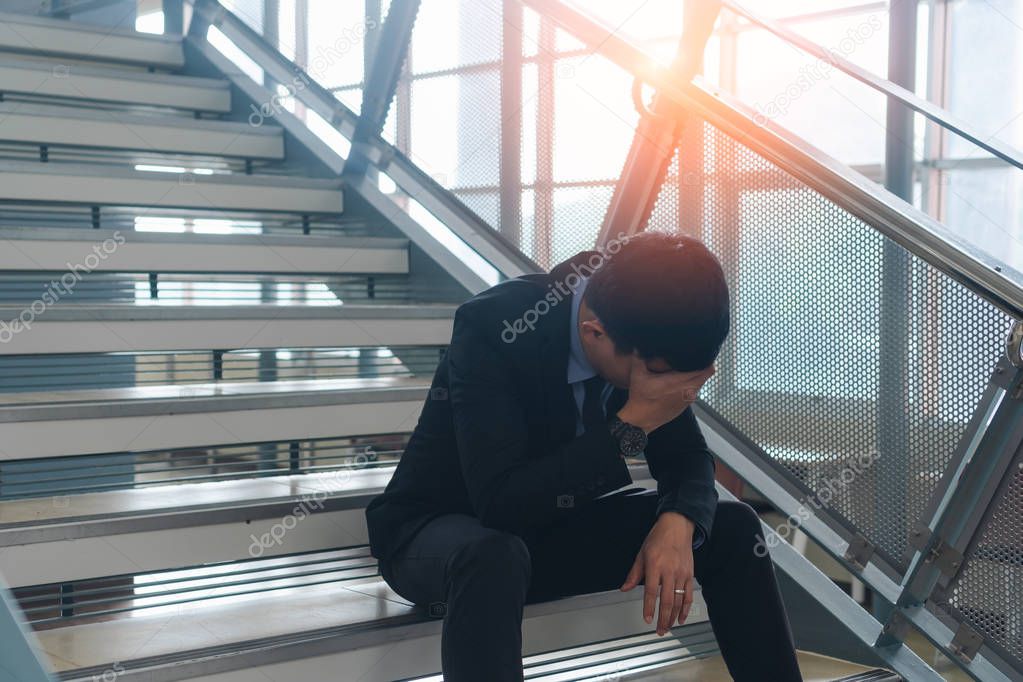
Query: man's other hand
x: 664, y: 564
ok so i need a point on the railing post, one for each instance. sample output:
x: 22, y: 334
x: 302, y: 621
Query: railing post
x: 892, y: 440
x: 969, y: 486
x: 174, y: 17
x: 381, y: 82
x: 511, y: 122
x: 658, y: 132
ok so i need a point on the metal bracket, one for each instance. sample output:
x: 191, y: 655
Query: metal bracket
x: 939, y: 597
x: 859, y: 552
x: 1014, y: 345
x: 920, y: 536
x: 966, y: 642
x: 944, y: 556
x: 894, y: 631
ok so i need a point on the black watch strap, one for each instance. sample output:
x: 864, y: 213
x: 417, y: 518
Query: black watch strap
x: 632, y: 440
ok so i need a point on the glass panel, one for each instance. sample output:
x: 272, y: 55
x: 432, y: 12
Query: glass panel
x: 451, y: 33
x: 985, y: 70
x: 337, y: 32
x: 810, y: 97
x: 456, y: 130
x: 595, y: 119
x: 985, y: 207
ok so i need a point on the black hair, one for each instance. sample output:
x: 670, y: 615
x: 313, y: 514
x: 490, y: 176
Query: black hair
x: 664, y: 296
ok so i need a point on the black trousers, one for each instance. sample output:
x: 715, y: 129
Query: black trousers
x: 480, y: 578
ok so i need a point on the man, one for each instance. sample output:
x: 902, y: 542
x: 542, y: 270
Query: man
x: 511, y: 488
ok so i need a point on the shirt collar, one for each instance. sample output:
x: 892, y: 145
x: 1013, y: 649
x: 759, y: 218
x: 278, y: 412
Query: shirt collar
x: 579, y: 368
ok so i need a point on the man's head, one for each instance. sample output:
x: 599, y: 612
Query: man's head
x: 662, y: 297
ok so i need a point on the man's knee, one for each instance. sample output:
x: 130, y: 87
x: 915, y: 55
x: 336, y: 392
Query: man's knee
x: 739, y: 521
x: 498, y: 556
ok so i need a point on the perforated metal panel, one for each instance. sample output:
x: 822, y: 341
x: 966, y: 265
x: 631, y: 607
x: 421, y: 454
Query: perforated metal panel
x: 856, y: 389
x: 988, y: 592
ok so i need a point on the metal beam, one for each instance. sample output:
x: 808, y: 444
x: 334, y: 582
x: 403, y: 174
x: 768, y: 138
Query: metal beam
x: 893, y: 90
x: 953, y: 254
x: 430, y: 195
x: 969, y: 487
x: 382, y: 80
x: 658, y: 133
x: 18, y: 645
x: 892, y: 438
x: 751, y: 464
x: 511, y: 121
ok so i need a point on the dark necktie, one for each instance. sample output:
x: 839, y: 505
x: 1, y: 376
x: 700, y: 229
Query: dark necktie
x: 593, y: 406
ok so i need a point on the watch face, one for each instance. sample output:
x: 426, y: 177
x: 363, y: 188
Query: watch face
x: 633, y: 440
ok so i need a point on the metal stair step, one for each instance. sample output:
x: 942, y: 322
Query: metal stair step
x: 26, y: 249
x: 124, y: 328
x: 85, y: 83
x: 165, y: 527
x: 104, y: 186
x: 200, y: 415
x: 39, y: 35
x: 301, y: 633
x: 161, y: 527
x: 44, y: 124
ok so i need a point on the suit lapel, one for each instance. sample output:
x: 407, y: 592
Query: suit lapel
x: 559, y: 403
x: 616, y: 400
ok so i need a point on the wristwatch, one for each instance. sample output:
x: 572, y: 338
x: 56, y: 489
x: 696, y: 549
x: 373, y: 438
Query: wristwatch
x: 631, y: 439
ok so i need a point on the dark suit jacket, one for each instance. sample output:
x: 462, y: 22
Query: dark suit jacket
x: 496, y: 437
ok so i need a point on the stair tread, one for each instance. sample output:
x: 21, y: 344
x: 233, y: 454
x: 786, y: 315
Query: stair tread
x: 21, y: 32
x: 355, y: 388
x: 85, y: 184
x: 57, y: 126
x: 189, y: 497
x: 317, y: 240
x: 202, y: 626
x: 129, y: 118
x: 114, y: 72
x: 256, y: 311
x: 92, y: 170
x: 184, y: 631
x: 815, y: 668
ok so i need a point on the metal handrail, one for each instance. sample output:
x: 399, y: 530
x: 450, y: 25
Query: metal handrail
x: 939, y: 115
x: 490, y: 244
x: 920, y: 234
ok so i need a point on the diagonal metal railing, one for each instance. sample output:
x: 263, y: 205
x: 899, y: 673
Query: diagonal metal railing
x: 466, y: 246
x: 929, y: 521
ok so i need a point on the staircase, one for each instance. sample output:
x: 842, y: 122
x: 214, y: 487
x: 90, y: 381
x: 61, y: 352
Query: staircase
x: 223, y: 361
x: 215, y: 338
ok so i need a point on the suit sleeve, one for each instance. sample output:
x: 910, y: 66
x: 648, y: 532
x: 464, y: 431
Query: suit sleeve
x: 509, y: 487
x: 683, y: 467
